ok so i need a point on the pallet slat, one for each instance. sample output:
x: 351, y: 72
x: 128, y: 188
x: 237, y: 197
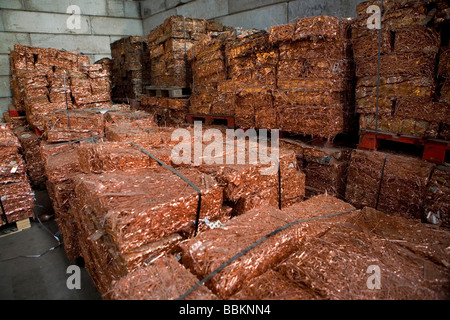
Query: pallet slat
x: 434, y: 150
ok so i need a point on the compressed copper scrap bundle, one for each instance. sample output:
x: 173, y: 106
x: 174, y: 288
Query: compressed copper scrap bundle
x: 13, y: 168
x: 164, y: 279
x: 141, y: 118
x: 409, y: 55
x: 167, y: 111
x: 7, y: 136
x: 32, y: 154
x: 335, y: 265
x: 14, y: 122
x: 393, y: 183
x: 129, y: 212
x: 71, y: 125
x: 118, y: 156
x: 249, y: 173
x: 17, y: 197
x: 314, y: 76
x: 168, y: 47
x: 61, y: 167
x: 130, y: 67
x: 325, y: 168
x: 44, y: 80
x: 209, y: 70
x: 203, y: 254
x: 272, y: 285
x: 143, y: 136
x: 437, y: 202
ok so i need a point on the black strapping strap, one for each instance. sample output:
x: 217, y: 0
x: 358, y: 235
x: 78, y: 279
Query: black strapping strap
x: 183, y: 178
x: 380, y: 185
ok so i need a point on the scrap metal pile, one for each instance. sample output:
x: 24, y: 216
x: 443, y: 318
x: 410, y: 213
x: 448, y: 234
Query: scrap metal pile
x: 409, y: 101
x: 17, y: 197
x: 153, y: 205
x: 279, y: 79
x: 45, y: 80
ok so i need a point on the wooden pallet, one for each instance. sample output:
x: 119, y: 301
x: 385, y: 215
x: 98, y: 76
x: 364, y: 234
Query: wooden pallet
x: 211, y: 119
x: 14, y: 227
x: 434, y: 150
x: 168, y: 92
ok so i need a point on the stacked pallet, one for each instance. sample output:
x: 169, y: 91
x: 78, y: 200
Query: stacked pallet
x: 392, y: 183
x: 168, y: 47
x: 45, y: 80
x: 130, y: 71
x: 315, y: 73
x: 17, y: 197
x: 407, y: 84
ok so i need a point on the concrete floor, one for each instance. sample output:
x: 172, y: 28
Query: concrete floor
x: 42, y: 278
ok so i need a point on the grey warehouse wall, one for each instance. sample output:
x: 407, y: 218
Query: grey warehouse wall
x: 43, y: 23
x: 259, y: 14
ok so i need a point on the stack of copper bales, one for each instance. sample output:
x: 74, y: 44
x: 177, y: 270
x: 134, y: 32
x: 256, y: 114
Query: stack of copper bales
x: 251, y: 66
x: 128, y: 218
x: 209, y: 73
x: 130, y: 70
x: 315, y: 76
x: 168, y: 47
x: 45, y: 80
x: 408, y: 102
x: 392, y: 183
x: 17, y: 197
x: 31, y: 143
x: 279, y: 79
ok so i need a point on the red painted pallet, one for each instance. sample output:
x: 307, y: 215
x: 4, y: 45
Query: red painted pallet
x: 211, y: 119
x: 434, y: 150
x: 14, y: 113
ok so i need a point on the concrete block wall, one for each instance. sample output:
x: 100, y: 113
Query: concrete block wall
x: 43, y: 23
x: 259, y: 14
